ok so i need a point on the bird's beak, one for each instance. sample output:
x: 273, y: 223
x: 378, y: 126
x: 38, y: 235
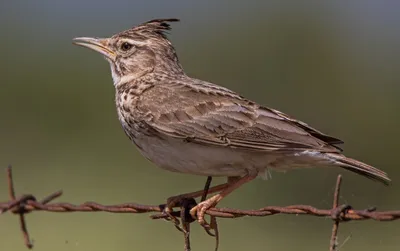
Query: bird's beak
x: 96, y: 44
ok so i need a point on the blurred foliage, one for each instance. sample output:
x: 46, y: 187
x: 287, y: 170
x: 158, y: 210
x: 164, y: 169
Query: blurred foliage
x: 334, y: 65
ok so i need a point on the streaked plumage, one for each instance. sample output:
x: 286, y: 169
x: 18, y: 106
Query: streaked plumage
x: 191, y: 126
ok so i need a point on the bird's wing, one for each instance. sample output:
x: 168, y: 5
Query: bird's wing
x: 221, y: 118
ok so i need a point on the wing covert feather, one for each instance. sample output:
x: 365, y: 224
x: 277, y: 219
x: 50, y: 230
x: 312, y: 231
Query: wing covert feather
x: 232, y: 121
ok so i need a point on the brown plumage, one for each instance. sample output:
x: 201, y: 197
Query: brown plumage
x: 188, y: 125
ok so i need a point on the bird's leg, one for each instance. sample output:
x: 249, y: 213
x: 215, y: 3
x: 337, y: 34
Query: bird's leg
x: 174, y: 201
x: 232, y: 184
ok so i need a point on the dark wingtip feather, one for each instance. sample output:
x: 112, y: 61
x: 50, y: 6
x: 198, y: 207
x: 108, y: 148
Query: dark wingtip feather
x: 328, y: 139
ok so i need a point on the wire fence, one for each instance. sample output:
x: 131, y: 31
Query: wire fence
x: 338, y: 213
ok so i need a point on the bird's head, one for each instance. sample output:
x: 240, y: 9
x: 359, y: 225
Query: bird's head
x: 137, y: 51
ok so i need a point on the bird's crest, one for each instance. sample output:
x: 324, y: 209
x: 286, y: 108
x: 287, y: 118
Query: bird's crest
x: 159, y: 26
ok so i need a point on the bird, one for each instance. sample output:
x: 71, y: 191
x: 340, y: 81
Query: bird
x: 187, y: 125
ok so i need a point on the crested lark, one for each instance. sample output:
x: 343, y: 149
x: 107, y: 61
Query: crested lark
x: 191, y: 126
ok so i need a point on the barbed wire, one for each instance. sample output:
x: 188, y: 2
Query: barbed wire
x: 338, y: 213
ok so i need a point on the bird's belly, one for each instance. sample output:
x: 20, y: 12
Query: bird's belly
x: 186, y: 157
x: 180, y: 156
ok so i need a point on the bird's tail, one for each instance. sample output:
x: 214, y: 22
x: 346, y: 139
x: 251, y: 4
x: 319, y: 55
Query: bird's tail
x: 359, y: 167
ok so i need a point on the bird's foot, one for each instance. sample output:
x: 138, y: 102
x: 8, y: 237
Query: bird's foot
x: 198, y: 212
x: 168, y: 211
x: 182, y: 201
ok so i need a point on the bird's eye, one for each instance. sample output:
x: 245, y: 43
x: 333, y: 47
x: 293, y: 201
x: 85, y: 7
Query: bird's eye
x: 126, y: 46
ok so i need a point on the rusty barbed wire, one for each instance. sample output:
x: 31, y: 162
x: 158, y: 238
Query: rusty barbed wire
x: 339, y: 213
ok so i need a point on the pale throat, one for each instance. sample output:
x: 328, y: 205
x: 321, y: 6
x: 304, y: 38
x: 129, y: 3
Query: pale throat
x: 119, y: 78
x: 115, y: 76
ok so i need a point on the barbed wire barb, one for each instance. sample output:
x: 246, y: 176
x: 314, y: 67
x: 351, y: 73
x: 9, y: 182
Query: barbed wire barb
x: 338, y: 213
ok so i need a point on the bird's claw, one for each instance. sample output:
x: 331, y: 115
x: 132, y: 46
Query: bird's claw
x: 198, y: 212
x: 168, y: 210
x: 178, y: 201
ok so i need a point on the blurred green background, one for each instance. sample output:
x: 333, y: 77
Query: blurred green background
x: 333, y: 64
